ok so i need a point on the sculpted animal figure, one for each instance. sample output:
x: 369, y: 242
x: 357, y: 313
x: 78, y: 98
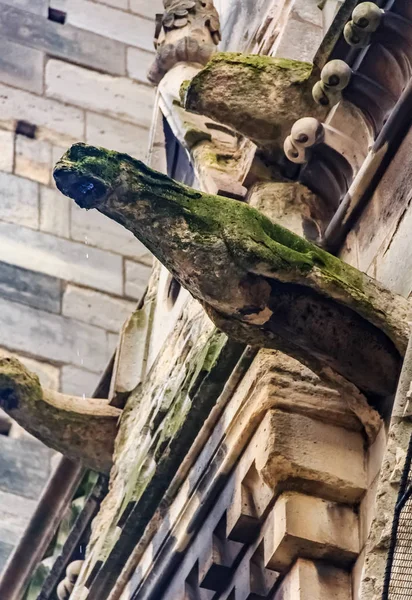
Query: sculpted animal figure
x: 258, y: 282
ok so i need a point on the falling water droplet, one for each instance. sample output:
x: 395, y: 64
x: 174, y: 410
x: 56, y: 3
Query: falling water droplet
x: 84, y: 396
x: 87, y: 255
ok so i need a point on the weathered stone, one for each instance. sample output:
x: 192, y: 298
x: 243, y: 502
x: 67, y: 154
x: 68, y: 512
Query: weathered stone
x: 54, y: 120
x: 284, y: 292
x: 20, y: 201
x: 146, y: 9
x: 308, y: 526
x: 20, y: 66
x: 54, y: 212
x: 77, y: 382
x: 82, y: 428
x: 320, y: 458
x: 187, y: 33
x: 310, y: 580
x: 52, y: 337
x: 96, y: 230
x: 260, y: 97
x: 116, y: 96
x: 67, y: 260
x: 24, y: 467
x: 33, y: 159
x: 138, y: 63
x: 66, y: 42
x: 16, y: 512
x: 6, y: 151
x: 310, y: 36
x: 136, y: 278
x: 112, y: 133
x: 294, y: 206
x: 31, y: 288
x: 96, y: 308
x: 109, y: 23
x: 49, y: 375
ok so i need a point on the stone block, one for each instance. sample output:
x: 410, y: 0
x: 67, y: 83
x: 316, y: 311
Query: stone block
x: 54, y: 212
x: 314, y: 580
x: 394, y: 263
x: 20, y: 66
x: 29, y: 287
x: 146, y: 9
x: 95, y: 229
x: 38, y: 7
x: 33, y: 159
x: 321, y: 458
x: 52, y: 337
x: 5, y: 551
x: 96, y: 308
x: 55, y: 121
x: 49, y: 375
x: 109, y: 22
x: 308, y: 527
x: 136, y: 279
x: 78, y: 381
x: 6, y: 150
x: 309, y: 36
x: 386, y: 209
x: 67, y: 260
x: 24, y: 467
x: 114, y: 96
x: 19, y: 201
x: 138, y: 63
x: 66, y: 42
x: 117, y: 135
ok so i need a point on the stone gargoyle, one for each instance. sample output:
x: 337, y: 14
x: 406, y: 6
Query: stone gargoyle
x: 260, y: 97
x: 81, y: 428
x: 259, y: 283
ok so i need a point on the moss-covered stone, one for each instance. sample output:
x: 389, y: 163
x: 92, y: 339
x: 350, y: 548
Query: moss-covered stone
x: 82, y: 429
x: 244, y: 267
x: 258, y: 96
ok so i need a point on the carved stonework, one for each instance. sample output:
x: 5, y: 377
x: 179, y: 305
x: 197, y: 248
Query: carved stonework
x: 259, y: 282
x: 188, y: 31
x: 81, y: 428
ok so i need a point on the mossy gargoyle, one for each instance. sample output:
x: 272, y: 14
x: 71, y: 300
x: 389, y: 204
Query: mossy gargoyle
x: 259, y: 283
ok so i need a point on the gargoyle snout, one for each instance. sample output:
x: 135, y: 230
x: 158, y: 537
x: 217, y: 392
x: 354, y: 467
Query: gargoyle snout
x: 86, y: 190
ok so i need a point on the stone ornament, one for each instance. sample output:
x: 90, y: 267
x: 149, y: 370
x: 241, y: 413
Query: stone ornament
x: 66, y: 586
x: 80, y: 428
x: 366, y: 19
x: 334, y: 78
x: 260, y: 283
x: 188, y: 31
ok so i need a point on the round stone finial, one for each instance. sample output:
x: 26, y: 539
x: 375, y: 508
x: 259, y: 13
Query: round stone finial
x: 367, y: 16
x: 366, y: 19
x: 305, y: 133
x: 336, y: 74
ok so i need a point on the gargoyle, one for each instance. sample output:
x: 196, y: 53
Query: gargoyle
x: 258, y: 96
x: 81, y: 428
x: 259, y: 282
x: 188, y: 31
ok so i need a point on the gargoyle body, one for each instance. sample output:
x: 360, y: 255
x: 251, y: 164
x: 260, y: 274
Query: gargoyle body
x: 259, y: 282
x: 81, y: 428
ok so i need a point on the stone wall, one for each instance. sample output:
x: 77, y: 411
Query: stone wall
x: 68, y: 279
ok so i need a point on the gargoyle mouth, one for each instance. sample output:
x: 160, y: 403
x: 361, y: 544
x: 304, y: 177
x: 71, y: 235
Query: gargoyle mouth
x: 86, y: 190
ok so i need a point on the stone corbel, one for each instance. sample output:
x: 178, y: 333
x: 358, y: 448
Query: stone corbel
x: 82, y: 429
x: 187, y: 32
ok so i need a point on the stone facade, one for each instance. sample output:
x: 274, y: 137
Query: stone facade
x: 68, y: 280
x: 238, y: 473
